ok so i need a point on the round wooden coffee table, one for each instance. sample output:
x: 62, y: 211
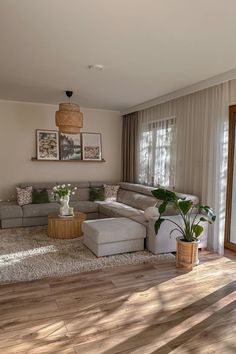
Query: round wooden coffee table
x: 65, y: 227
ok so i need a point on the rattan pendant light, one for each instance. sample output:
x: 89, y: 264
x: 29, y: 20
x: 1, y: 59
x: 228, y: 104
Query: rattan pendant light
x: 69, y: 119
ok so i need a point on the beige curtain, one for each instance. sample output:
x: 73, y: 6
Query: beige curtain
x: 201, y: 149
x: 129, y: 147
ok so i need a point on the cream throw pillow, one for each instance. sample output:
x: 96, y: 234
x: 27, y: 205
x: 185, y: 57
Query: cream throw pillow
x: 24, y: 195
x: 110, y: 192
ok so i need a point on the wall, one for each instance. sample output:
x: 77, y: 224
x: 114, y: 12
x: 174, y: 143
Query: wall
x: 18, y: 122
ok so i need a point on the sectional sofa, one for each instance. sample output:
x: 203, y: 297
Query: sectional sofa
x: 132, y: 200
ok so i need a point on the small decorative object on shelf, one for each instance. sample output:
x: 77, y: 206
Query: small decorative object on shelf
x: 63, y: 192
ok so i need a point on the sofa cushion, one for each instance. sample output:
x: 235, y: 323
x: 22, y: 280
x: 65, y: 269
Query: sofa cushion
x: 136, y: 200
x: 50, y: 185
x: 33, y: 210
x: 139, y: 188
x: 115, y: 209
x: 81, y: 194
x: 84, y: 206
x: 10, y: 210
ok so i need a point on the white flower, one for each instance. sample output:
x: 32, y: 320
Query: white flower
x: 75, y: 188
x: 73, y: 193
x: 63, y: 185
x: 58, y: 186
x: 55, y: 188
x: 68, y: 184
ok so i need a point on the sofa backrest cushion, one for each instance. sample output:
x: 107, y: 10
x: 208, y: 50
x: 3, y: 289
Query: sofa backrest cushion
x: 139, y: 188
x: 82, y: 192
x: 136, y: 200
x: 147, y: 191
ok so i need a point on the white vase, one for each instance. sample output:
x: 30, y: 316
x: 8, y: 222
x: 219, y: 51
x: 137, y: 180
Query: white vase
x: 64, y: 208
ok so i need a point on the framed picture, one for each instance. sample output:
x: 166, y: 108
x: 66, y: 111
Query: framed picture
x: 47, y: 145
x: 70, y: 146
x: 91, y: 146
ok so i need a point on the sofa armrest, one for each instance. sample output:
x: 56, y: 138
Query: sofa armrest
x: 162, y: 242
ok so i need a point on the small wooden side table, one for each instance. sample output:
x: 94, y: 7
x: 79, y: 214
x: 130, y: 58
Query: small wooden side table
x: 65, y: 227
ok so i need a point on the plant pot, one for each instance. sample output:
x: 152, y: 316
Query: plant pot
x: 186, y: 254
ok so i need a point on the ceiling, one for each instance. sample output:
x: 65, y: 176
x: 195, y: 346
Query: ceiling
x: 148, y: 47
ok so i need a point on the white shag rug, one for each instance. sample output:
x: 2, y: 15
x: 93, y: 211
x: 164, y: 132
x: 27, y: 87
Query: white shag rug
x: 28, y: 254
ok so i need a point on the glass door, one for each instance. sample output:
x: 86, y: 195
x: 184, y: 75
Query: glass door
x: 230, y: 222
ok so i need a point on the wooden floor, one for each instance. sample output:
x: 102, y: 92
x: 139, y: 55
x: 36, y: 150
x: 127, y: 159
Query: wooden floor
x: 133, y: 309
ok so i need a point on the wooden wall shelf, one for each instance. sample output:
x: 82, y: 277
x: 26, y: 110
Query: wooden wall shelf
x: 35, y: 159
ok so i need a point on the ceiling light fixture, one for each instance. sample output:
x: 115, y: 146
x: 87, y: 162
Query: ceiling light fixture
x: 96, y: 67
x: 69, y: 119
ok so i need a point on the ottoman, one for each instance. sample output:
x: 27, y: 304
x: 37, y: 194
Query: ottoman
x: 112, y: 236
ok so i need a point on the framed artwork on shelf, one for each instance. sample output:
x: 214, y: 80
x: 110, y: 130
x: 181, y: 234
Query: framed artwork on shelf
x: 91, y: 146
x: 70, y: 146
x: 47, y: 144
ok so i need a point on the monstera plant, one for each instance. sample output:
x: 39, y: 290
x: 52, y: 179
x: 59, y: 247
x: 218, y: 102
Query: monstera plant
x: 191, y: 227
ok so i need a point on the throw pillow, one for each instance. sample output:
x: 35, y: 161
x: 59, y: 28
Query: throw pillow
x: 110, y: 192
x: 40, y: 196
x: 24, y: 195
x: 96, y: 194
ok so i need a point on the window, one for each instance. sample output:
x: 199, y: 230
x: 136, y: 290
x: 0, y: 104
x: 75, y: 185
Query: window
x: 157, y: 153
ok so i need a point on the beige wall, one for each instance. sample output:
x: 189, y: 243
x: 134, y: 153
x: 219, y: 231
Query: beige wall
x: 18, y: 122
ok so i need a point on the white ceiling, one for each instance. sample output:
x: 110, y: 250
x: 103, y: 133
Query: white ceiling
x: 148, y: 47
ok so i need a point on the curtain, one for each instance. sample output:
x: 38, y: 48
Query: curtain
x: 157, y: 152
x: 129, y: 147
x: 200, y: 149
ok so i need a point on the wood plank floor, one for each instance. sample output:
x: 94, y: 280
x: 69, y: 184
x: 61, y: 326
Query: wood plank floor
x: 133, y: 309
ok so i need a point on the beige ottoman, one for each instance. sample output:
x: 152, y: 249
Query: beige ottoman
x: 112, y: 236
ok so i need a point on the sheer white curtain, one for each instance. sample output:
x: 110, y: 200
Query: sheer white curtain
x: 157, y: 149
x: 200, y: 148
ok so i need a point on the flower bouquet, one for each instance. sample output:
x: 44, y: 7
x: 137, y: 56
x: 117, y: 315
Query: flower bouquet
x: 63, y: 192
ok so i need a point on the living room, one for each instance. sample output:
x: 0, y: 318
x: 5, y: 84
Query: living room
x: 90, y: 256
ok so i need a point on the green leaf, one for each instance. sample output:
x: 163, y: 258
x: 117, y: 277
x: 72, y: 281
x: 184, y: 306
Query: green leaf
x: 185, y: 205
x: 205, y: 220
x: 197, y: 229
x: 158, y: 224
x: 160, y: 194
x: 171, y: 196
x: 164, y: 194
x: 209, y: 212
x: 162, y: 207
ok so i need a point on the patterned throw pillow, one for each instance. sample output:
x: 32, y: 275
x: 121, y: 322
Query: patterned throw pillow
x: 96, y: 194
x: 24, y: 195
x: 111, y: 192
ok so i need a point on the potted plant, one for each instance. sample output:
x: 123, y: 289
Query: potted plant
x: 190, y: 228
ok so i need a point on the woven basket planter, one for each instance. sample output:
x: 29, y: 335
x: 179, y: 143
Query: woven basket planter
x: 186, y: 254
